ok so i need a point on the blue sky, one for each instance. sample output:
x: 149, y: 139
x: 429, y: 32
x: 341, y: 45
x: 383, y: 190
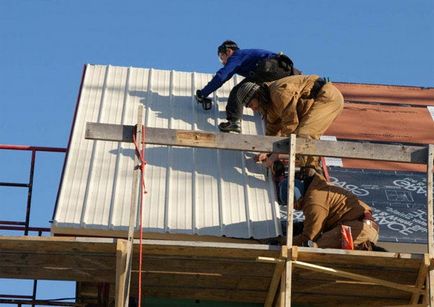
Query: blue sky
x: 45, y: 43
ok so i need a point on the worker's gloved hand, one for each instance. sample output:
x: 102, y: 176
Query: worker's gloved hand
x: 261, y: 157
x: 199, y: 96
x: 270, y: 160
x: 206, y: 102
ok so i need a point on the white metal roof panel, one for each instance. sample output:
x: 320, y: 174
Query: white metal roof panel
x: 190, y: 190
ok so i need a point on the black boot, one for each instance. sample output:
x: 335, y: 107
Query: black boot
x: 231, y: 126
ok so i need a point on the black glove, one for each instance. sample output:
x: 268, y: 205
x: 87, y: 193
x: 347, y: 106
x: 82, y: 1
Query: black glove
x: 206, y: 102
x: 199, y: 96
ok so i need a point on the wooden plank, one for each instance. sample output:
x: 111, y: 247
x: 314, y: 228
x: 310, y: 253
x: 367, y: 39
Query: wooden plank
x: 280, y: 265
x: 188, y: 138
x: 93, y: 232
x: 289, y: 213
x: 288, y: 284
x: 357, y: 150
x: 54, y: 272
x: 282, y: 291
x: 82, y: 262
x: 221, y: 267
x: 421, y: 277
x: 343, y: 287
x: 121, y: 272
x: 357, y: 258
x: 57, y: 244
x: 133, y: 205
x: 356, y: 277
x: 46, y: 246
x: 350, y: 300
x: 257, y: 143
x: 209, y: 249
x: 429, y: 202
x: 274, y: 284
x: 290, y: 196
x: 193, y: 280
x: 301, y: 274
x: 204, y: 294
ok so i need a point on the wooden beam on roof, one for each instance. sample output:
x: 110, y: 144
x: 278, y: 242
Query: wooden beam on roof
x: 259, y: 143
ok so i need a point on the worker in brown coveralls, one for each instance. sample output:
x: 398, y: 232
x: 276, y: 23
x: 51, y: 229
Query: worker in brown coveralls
x: 326, y: 208
x: 303, y: 104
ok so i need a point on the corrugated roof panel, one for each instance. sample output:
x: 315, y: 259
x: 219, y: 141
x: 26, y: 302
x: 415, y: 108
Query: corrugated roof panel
x: 190, y: 190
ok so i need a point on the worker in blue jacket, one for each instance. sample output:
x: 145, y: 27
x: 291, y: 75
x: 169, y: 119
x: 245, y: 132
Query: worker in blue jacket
x: 256, y: 65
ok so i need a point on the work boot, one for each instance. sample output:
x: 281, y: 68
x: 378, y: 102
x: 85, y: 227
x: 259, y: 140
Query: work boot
x: 231, y: 125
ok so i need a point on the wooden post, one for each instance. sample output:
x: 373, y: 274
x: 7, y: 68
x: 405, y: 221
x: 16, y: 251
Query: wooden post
x: 133, y: 207
x: 274, y: 284
x: 281, y: 300
x: 421, y: 278
x: 429, y: 203
x: 289, y: 212
x: 122, y: 247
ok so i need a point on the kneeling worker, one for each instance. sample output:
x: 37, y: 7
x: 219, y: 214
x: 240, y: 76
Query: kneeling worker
x: 326, y: 209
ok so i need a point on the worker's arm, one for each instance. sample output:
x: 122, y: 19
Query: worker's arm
x: 314, y: 219
x: 223, y: 75
x: 272, y: 126
x: 289, y: 117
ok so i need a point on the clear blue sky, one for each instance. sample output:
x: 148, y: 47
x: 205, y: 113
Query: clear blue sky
x: 45, y: 43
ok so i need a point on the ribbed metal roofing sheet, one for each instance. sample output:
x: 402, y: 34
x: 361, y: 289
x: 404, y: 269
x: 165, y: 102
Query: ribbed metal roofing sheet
x: 190, y: 191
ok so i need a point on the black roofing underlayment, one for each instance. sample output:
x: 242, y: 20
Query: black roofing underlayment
x: 398, y: 200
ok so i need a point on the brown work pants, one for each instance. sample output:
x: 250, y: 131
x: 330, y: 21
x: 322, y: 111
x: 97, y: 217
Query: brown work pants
x: 327, y: 106
x: 360, y: 231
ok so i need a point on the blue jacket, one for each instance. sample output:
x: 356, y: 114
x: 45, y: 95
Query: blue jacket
x: 241, y: 62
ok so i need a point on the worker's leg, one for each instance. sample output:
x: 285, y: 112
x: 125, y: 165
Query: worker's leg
x: 360, y: 231
x: 234, y: 112
x: 363, y: 232
x: 330, y: 239
x: 327, y: 106
x: 234, y: 109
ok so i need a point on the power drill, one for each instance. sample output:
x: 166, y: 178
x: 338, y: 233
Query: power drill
x: 206, y: 102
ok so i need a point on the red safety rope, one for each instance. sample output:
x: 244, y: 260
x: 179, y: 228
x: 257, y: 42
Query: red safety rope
x: 141, y: 156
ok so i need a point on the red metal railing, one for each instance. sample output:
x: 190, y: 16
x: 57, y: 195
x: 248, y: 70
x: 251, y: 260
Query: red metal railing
x: 25, y: 225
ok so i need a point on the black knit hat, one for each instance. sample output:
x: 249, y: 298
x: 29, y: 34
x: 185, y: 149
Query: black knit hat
x: 246, y: 92
x: 228, y: 44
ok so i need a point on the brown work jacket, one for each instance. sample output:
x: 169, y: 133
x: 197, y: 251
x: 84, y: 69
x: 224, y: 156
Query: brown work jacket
x: 326, y: 206
x: 289, y: 103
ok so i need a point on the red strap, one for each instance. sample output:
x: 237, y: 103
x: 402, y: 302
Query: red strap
x: 324, y: 169
x: 141, y: 156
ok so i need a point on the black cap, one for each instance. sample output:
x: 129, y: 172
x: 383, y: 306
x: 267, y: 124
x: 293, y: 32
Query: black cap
x: 228, y: 44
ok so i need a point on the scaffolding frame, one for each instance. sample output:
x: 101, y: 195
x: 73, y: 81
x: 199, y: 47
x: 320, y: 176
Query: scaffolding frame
x: 288, y: 260
x: 24, y: 226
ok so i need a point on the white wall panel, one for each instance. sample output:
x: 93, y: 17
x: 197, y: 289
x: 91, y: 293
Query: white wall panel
x: 190, y: 191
